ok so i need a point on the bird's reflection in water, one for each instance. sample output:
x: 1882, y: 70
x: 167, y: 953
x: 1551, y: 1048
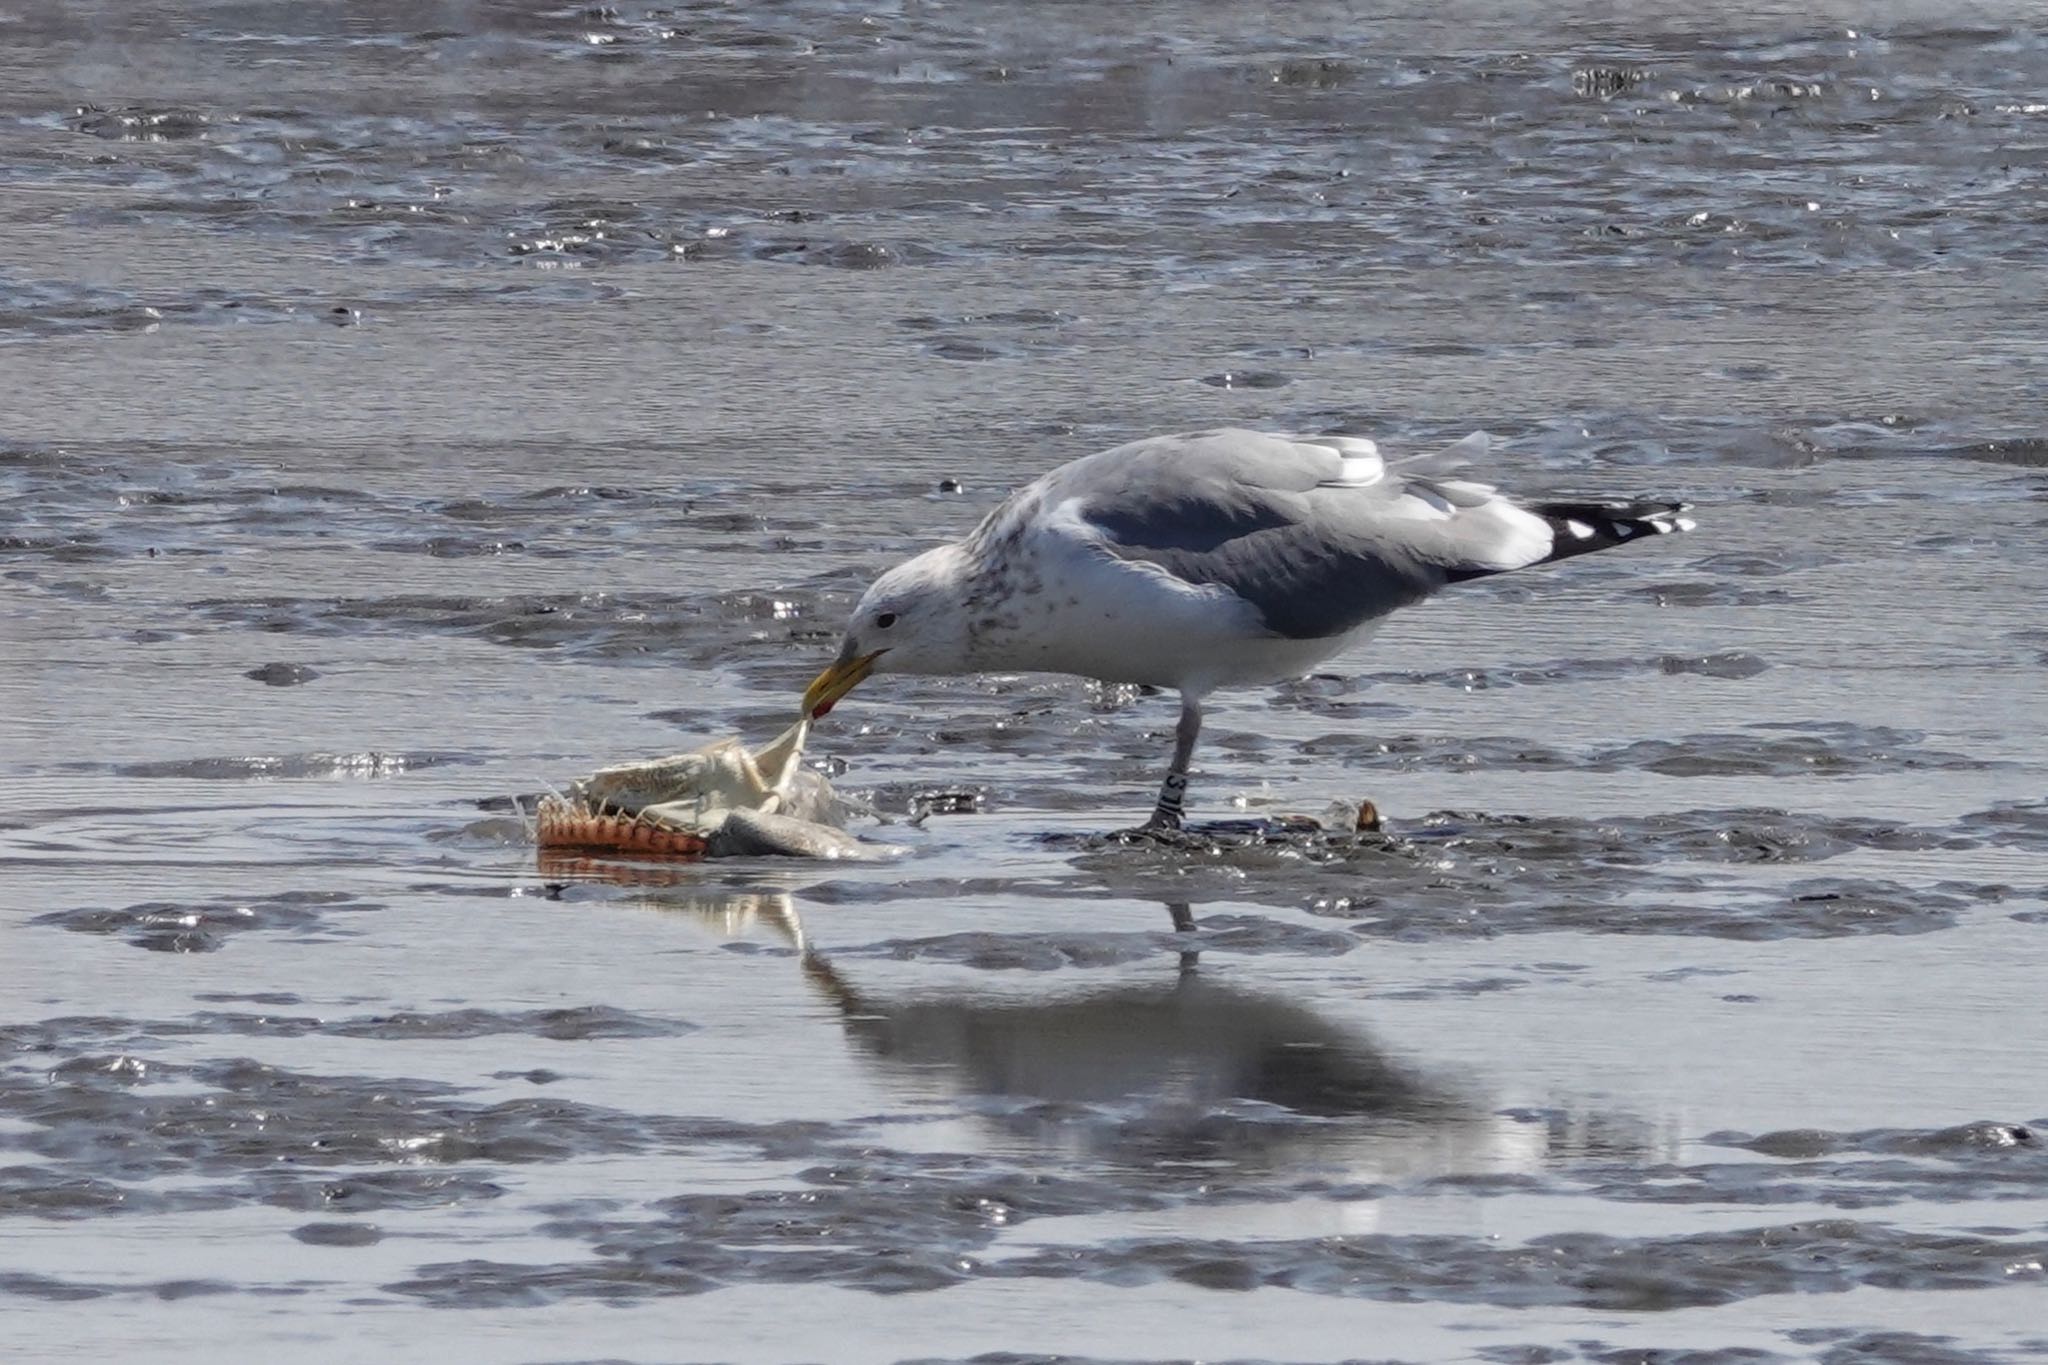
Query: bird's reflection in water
x: 1188, y: 1067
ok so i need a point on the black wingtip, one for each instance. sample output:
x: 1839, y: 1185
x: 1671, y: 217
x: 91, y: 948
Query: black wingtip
x: 1578, y: 528
x: 1581, y: 527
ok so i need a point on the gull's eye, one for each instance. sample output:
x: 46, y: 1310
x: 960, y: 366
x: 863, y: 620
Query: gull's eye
x: 885, y: 620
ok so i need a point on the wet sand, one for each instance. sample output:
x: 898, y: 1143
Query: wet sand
x: 415, y: 406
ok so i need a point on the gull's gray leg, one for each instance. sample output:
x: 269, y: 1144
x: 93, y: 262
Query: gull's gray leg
x: 1184, y: 923
x: 1174, y: 790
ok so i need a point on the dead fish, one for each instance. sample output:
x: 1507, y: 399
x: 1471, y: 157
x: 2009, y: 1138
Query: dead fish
x: 758, y: 834
x: 720, y: 801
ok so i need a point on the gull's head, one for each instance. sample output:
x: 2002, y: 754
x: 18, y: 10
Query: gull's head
x: 913, y: 619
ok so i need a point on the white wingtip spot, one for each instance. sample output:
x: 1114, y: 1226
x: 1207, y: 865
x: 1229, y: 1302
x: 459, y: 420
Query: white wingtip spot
x: 1579, y: 530
x: 1685, y: 523
x: 1622, y: 529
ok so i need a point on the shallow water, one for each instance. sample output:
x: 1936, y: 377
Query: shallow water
x: 414, y: 405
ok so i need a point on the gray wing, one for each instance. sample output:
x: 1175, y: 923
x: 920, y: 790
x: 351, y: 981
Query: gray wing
x: 1317, y: 533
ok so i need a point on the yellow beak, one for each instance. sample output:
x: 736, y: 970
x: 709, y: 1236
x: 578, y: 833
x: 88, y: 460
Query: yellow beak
x: 842, y: 677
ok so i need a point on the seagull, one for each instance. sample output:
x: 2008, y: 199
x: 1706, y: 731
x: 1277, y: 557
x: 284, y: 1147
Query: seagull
x: 1208, y: 559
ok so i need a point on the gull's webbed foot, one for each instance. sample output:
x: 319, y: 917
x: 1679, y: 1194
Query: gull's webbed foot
x: 1160, y: 834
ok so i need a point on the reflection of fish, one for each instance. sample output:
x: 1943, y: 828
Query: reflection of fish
x: 733, y: 913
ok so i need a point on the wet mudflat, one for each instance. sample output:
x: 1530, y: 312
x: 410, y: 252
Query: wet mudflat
x: 417, y: 405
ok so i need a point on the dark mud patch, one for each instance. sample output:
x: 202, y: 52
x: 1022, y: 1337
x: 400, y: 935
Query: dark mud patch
x: 60, y: 1195
x: 2021, y: 825
x: 205, y: 927
x: 1247, y: 379
x: 1736, y: 835
x: 568, y: 1025
x: 1905, y: 1348
x: 282, y: 674
x: 1582, y: 1270
x: 1045, y: 952
x: 1021, y: 952
x: 2026, y: 452
x: 369, y: 765
x: 1474, y: 874
x: 1878, y: 1168
x: 658, y: 629
x: 893, y: 1224
x: 897, y: 1225
x: 105, y: 1129
x: 1711, y: 593
x: 2021, y: 1145
x: 942, y: 1231
x: 375, y: 1191
x: 42, y: 309
x: 51, y: 1289
x: 1827, y: 749
x: 1818, y: 908
x: 138, y: 123
x: 1015, y: 334
x: 1725, y: 664
x: 338, y: 1234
